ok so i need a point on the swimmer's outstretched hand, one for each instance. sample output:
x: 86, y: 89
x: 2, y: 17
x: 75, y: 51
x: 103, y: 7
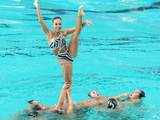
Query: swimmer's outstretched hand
x: 36, y: 3
x: 87, y: 22
x: 81, y: 11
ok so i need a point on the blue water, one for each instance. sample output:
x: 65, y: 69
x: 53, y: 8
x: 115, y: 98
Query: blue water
x: 120, y: 52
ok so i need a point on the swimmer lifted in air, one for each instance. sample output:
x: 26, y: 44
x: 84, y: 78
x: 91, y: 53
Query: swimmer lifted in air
x: 64, y: 53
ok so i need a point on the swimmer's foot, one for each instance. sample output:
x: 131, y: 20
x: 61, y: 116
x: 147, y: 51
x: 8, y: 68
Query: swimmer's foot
x: 81, y: 11
x: 87, y: 23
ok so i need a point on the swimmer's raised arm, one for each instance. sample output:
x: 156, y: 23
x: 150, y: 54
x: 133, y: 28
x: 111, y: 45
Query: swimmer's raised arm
x: 40, y: 18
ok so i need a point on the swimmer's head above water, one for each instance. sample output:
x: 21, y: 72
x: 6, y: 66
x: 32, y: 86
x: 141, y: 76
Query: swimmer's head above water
x: 35, y: 105
x: 137, y: 94
x: 57, y: 23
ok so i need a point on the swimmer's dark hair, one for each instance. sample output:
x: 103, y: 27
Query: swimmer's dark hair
x: 57, y: 17
x: 30, y: 101
x: 141, y: 93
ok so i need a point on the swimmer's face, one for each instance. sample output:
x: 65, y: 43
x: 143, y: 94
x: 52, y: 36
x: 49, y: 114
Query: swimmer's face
x: 57, y: 24
x: 33, y: 104
x: 135, y: 95
x: 93, y: 94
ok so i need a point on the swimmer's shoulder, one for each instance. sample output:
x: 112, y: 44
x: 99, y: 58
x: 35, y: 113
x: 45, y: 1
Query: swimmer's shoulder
x: 121, y: 97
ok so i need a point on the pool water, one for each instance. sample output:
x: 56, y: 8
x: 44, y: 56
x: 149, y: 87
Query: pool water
x: 119, y: 53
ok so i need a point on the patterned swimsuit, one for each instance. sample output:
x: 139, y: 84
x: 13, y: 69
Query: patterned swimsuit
x: 63, y: 52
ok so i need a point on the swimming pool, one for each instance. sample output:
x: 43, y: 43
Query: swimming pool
x: 118, y: 53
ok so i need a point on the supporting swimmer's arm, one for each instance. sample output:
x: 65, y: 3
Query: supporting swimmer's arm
x: 89, y: 103
x: 40, y: 18
x: 69, y: 102
x: 122, y: 96
x: 84, y: 104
